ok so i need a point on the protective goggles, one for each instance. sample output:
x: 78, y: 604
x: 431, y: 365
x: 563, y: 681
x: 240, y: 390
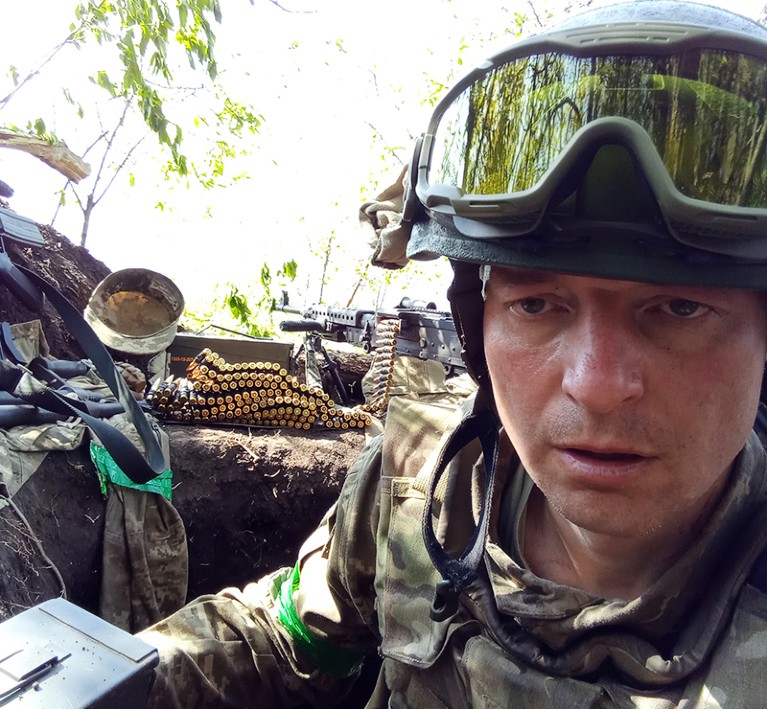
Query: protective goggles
x: 690, y: 105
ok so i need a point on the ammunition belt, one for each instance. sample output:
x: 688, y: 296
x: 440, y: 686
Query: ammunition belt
x: 382, y: 366
x: 248, y: 393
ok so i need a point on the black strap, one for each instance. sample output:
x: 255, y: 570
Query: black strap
x: 138, y: 468
x: 11, y: 275
x: 458, y: 573
x: 758, y: 575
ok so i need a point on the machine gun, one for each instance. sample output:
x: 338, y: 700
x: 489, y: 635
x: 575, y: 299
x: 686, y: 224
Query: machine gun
x: 424, y: 331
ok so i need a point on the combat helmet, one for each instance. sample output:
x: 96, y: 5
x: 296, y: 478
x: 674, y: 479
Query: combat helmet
x: 627, y: 142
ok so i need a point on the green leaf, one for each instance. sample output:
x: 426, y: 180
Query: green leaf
x: 266, y: 276
x: 290, y: 269
x: 142, y: 43
x: 102, y: 79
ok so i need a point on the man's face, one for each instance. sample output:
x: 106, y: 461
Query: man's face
x: 627, y: 402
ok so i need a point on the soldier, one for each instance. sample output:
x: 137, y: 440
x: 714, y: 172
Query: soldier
x: 601, y: 192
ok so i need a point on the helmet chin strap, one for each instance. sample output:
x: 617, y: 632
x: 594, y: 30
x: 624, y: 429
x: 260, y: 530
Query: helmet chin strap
x: 459, y: 573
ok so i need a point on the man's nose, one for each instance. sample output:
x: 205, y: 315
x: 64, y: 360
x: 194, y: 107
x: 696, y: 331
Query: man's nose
x: 602, y: 365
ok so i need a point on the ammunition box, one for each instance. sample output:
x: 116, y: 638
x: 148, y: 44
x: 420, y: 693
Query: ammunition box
x: 185, y: 347
x: 59, y: 655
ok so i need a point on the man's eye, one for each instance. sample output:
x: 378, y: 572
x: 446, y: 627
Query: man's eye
x: 531, y: 306
x: 681, y: 308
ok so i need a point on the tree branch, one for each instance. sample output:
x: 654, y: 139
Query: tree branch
x: 535, y: 13
x: 119, y: 168
x: 32, y: 74
x: 55, y: 155
x: 386, y: 146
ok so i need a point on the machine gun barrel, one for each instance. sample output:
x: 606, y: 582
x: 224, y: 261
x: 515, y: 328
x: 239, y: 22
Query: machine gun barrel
x: 284, y: 306
x: 301, y: 326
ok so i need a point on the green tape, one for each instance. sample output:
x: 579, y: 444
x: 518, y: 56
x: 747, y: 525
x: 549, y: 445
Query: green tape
x: 109, y: 471
x: 334, y: 660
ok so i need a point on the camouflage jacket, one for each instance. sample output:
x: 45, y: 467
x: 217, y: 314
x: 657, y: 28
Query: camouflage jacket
x: 364, y: 581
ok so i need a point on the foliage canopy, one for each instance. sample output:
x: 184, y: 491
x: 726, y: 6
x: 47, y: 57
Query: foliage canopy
x: 152, y: 57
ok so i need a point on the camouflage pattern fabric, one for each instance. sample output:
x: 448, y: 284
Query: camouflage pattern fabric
x: 381, y: 220
x: 366, y: 583
x: 411, y: 378
x: 145, y: 559
x: 145, y: 569
x: 23, y: 448
x: 29, y: 339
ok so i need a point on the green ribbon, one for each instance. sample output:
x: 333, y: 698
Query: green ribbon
x: 109, y: 471
x: 331, y: 659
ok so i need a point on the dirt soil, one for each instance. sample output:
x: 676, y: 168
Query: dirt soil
x: 248, y: 496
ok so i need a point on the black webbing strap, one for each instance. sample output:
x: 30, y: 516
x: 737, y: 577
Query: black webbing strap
x: 138, y: 468
x: 122, y: 450
x: 17, y: 283
x: 458, y: 573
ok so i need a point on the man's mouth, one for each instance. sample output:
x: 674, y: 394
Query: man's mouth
x: 610, y: 456
x: 603, y: 466
x: 600, y: 455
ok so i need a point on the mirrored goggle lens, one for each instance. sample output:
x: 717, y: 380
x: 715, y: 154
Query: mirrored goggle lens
x: 704, y: 111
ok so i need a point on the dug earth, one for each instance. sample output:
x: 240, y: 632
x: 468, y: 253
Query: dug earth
x: 248, y: 497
